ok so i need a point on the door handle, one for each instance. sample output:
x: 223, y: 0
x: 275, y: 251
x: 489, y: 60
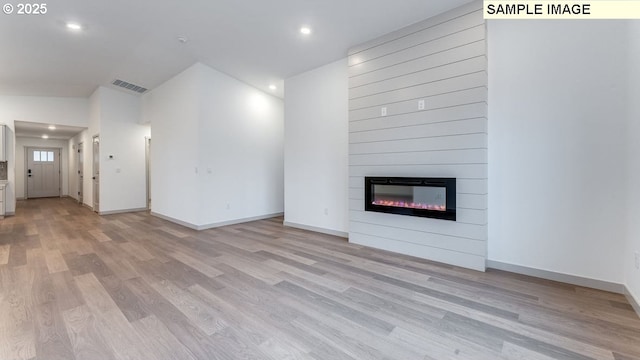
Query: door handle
x: 94, y: 178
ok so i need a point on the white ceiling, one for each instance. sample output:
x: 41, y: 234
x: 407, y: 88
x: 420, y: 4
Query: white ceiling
x: 256, y: 41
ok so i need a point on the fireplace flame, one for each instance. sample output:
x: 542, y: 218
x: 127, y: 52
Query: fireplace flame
x: 410, y: 205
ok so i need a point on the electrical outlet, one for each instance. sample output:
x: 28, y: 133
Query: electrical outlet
x: 421, y: 105
x: 637, y: 260
x: 383, y: 111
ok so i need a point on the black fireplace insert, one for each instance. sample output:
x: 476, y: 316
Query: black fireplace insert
x: 425, y: 197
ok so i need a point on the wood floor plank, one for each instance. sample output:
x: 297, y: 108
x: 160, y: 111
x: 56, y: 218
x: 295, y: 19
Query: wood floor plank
x: 75, y: 285
x: 200, y: 314
x: 160, y: 340
x: 4, y: 254
x: 86, y: 340
x: 55, y: 261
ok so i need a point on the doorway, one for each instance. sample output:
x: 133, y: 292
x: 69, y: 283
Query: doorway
x: 43, y: 172
x: 96, y: 173
x: 80, y: 164
x: 147, y: 153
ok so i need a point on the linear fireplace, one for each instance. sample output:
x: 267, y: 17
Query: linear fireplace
x: 426, y: 197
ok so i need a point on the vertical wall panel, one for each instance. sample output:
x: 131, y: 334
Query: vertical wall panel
x: 442, y: 61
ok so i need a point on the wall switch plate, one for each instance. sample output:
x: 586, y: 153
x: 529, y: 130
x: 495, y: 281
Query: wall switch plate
x: 421, y: 105
x: 383, y: 111
x: 326, y: 211
x: 637, y: 260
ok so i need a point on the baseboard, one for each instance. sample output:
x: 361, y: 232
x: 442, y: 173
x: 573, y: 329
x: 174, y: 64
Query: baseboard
x: 555, y: 276
x: 316, y: 229
x: 122, y: 211
x: 217, y: 224
x: 632, y: 300
x: 175, y: 221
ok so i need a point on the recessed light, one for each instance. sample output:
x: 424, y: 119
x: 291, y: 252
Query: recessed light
x: 305, y: 30
x: 273, y: 87
x: 45, y: 136
x: 74, y: 26
x: 52, y: 127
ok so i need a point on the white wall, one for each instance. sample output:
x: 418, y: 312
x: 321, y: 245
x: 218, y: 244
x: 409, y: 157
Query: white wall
x: 216, y: 152
x: 240, y: 150
x: 316, y: 148
x: 22, y: 143
x: 60, y: 111
x: 123, y: 177
x: 631, y: 274
x: 557, y: 153
x: 173, y: 109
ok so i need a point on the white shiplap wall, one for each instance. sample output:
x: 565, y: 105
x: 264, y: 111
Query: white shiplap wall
x: 442, y: 61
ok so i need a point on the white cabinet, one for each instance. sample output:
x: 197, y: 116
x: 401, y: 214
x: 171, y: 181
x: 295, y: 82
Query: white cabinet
x: 3, y: 143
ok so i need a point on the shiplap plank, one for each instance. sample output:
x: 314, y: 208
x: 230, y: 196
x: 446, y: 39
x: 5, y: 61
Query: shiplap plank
x: 423, y: 157
x: 461, y: 38
x: 438, y: 87
x: 460, y: 52
x: 471, y: 243
x: 455, y: 142
x: 470, y: 126
x: 476, y: 262
x: 446, y: 70
x: 461, y: 112
x: 455, y: 98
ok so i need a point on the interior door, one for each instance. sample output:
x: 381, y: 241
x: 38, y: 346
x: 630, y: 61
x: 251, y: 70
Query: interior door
x: 96, y: 173
x: 80, y: 163
x: 43, y: 172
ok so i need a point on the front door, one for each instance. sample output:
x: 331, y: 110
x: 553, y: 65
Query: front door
x: 43, y: 172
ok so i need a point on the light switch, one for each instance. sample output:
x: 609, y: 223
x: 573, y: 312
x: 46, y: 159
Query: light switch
x: 383, y: 111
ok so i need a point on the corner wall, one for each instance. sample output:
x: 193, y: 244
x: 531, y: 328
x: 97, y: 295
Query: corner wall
x: 441, y: 60
x: 217, y: 153
x: 557, y: 152
x: 315, y: 149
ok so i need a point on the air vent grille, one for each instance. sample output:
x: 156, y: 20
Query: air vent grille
x: 129, y: 86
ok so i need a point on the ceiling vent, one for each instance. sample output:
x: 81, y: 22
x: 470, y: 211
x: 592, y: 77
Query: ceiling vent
x: 129, y: 86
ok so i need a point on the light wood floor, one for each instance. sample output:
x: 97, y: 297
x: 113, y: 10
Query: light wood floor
x: 74, y: 285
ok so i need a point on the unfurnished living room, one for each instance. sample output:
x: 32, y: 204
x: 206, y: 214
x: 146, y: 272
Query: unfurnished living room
x: 296, y: 179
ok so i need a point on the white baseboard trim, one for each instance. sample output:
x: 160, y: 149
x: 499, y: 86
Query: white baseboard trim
x: 635, y: 303
x: 316, y: 229
x: 560, y: 277
x: 113, y: 212
x: 175, y: 221
x: 217, y: 224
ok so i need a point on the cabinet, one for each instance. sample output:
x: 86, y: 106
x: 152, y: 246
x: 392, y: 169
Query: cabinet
x: 3, y: 143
